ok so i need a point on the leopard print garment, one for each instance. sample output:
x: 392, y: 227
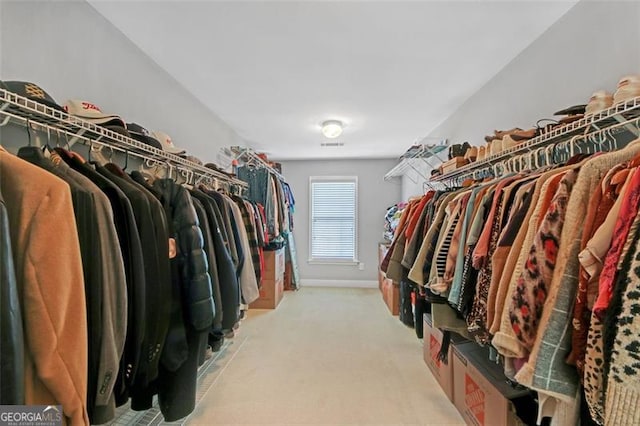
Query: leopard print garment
x: 594, y: 372
x: 530, y: 295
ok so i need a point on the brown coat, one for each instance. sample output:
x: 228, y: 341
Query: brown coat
x: 50, y: 286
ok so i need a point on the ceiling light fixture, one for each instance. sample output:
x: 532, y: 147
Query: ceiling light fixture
x: 332, y: 129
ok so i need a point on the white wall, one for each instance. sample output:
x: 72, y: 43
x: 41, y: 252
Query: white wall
x: 72, y: 52
x: 374, y: 197
x: 589, y: 48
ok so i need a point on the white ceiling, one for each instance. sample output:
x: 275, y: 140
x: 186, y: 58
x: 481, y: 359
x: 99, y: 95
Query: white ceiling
x: 274, y: 70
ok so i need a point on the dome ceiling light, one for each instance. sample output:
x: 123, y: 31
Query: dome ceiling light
x: 332, y: 129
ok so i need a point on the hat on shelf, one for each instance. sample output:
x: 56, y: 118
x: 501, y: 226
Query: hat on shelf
x: 31, y: 91
x: 118, y: 129
x: 194, y: 160
x: 628, y: 88
x: 167, y: 143
x: 572, y: 110
x: 213, y: 166
x: 91, y: 112
x: 599, y: 101
x: 141, y: 134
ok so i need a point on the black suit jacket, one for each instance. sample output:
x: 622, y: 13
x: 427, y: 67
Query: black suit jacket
x: 131, y: 249
x: 157, y: 285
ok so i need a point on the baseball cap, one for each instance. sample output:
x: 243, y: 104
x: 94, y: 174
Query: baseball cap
x: 31, y: 91
x: 194, y: 159
x: 141, y: 134
x: 91, y: 112
x: 167, y: 143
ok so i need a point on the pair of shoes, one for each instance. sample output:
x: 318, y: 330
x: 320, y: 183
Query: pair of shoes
x: 628, y: 88
x: 229, y: 334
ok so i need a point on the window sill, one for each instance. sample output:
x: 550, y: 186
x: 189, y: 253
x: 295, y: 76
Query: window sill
x: 333, y: 262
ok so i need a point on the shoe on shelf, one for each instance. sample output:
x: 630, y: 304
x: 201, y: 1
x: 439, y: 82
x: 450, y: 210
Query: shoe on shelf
x: 488, y: 149
x: 628, y: 88
x: 471, y: 154
x: 522, y: 135
x: 482, y: 153
x: 502, y: 133
x: 496, y: 147
x: 570, y: 119
x: 599, y: 101
x: 508, y: 142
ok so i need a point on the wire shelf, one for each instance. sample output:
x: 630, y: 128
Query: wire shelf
x: 416, y: 154
x: 620, y: 113
x: 28, y: 112
x: 249, y: 155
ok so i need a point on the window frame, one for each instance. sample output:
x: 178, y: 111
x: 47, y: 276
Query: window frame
x: 327, y: 260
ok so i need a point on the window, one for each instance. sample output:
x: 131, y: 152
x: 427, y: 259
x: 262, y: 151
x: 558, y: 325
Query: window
x: 333, y: 219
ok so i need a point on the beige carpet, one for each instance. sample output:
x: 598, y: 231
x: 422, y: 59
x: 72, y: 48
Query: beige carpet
x: 325, y: 356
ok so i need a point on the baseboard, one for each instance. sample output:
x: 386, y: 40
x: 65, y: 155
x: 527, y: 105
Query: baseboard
x: 339, y: 283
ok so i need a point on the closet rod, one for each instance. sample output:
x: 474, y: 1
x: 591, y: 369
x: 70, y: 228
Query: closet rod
x: 569, y: 146
x: 24, y: 110
x: 627, y: 110
x: 56, y: 133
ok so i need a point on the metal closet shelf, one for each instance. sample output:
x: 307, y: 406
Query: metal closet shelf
x: 250, y: 157
x: 27, y: 112
x: 620, y: 113
x: 419, y: 151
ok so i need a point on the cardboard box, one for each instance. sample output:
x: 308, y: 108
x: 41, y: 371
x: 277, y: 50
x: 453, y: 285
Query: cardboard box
x: 442, y: 371
x: 288, y: 284
x: 481, y: 392
x: 274, y: 265
x: 271, y: 294
x: 391, y: 296
x: 382, y: 251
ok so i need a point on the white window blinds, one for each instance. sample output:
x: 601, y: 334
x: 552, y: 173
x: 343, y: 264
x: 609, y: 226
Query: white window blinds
x: 333, y: 218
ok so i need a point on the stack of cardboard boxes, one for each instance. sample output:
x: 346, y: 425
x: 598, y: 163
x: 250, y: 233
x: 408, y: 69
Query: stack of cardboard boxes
x: 477, y: 387
x: 272, y: 287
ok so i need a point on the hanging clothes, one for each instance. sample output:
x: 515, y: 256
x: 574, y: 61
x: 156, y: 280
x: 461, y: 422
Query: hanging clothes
x: 11, y: 332
x: 177, y: 387
x: 55, y: 359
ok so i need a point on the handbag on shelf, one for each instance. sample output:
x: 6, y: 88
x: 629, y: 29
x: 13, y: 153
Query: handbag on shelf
x: 458, y: 150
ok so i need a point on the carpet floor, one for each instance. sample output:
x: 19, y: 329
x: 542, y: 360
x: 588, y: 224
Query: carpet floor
x: 325, y: 356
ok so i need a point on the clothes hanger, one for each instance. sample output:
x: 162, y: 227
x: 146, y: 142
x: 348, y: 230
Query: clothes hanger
x: 32, y: 153
x: 96, y: 156
x: 126, y: 160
